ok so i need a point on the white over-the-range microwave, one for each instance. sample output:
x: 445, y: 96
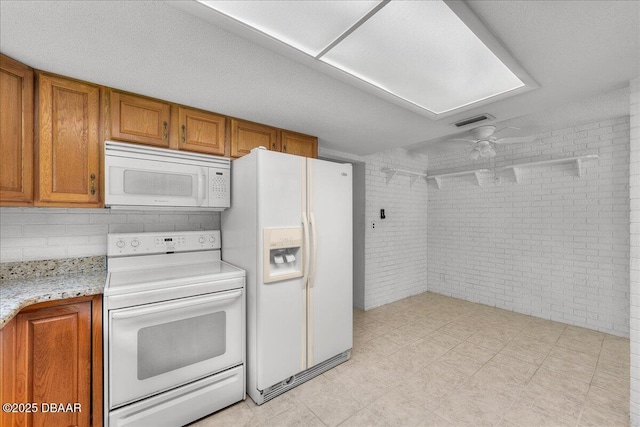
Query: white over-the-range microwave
x: 141, y: 177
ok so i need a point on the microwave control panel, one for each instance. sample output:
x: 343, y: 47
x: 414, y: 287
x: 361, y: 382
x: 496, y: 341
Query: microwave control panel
x: 219, y: 188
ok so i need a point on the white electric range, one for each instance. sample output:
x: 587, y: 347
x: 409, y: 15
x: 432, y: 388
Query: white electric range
x: 174, y: 329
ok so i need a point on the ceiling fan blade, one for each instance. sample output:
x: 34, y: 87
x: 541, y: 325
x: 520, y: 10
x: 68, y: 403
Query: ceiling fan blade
x: 439, y: 147
x: 516, y: 139
x: 505, y: 128
x: 456, y: 143
x: 460, y: 139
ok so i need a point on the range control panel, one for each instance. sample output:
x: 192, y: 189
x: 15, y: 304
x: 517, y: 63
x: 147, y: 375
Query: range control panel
x: 122, y: 244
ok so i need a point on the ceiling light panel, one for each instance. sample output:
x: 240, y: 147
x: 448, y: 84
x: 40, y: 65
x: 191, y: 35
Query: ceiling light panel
x: 422, y: 52
x: 308, y: 25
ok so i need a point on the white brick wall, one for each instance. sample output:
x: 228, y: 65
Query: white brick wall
x: 634, y: 192
x: 395, y: 251
x: 554, y: 245
x: 44, y: 233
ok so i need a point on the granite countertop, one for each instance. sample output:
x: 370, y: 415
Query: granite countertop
x: 24, y: 284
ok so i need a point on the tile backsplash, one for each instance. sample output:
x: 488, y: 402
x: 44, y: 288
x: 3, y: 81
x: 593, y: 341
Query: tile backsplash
x: 28, y: 234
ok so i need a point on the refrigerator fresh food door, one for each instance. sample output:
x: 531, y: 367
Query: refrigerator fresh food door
x: 330, y: 276
x: 281, y: 304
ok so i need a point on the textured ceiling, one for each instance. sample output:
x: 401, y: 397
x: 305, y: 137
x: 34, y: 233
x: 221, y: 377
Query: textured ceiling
x: 603, y: 106
x: 575, y: 50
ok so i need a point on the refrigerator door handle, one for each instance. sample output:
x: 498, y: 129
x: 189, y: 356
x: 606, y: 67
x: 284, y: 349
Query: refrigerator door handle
x: 305, y: 226
x: 314, y: 228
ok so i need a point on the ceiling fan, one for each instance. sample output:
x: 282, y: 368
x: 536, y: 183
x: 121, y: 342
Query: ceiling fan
x: 483, y: 144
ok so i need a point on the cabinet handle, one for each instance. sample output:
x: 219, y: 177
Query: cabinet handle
x: 284, y: 148
x: 93, y: 183
x: 164, y: 130
x: 273, y: 145
x: 184, y: 137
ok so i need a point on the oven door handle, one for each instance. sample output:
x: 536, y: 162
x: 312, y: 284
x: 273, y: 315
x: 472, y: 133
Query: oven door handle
x: 162, y: 307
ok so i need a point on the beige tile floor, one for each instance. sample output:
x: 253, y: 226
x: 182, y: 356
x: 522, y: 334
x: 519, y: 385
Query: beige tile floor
x: 431, y: 360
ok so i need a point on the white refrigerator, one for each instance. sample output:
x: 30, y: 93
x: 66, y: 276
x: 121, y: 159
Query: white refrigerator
x: 290, y: 228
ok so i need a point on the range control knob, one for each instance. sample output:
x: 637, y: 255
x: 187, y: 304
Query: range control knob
x: 120, y: 244
x: 201, y: 239
x: 135, y: 243
x: 212, y: 239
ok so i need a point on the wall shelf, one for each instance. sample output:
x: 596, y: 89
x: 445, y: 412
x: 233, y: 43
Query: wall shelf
x: 438, y: 177
x: 517, y: 169
x: 393, y: 172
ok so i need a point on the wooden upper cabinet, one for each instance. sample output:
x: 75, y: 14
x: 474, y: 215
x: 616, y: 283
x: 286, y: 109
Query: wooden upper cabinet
x: 200, y: 131
x: 246, y: 136
x: 139, y: 119
x: 299, y: 144
x: 16, y: 133
x: 68, y: 146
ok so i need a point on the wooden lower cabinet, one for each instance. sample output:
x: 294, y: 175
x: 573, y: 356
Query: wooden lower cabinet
x: 51, y: 365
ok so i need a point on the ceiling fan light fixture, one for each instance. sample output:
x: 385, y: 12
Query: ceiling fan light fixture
x: 483, y: 149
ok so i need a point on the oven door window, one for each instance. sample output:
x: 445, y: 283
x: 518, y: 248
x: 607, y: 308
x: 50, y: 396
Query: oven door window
x: 180, y: 343
x: 159, y: 346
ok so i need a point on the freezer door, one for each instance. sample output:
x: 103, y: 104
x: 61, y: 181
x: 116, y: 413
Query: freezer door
x: 330, y: 291
x: 281, y: 304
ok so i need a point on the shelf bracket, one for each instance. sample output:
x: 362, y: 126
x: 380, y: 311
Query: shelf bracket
x: 517, y: 173
x: 477, y: 174
x: 413, y: 176
x: 438, y: 182
x: 579, y: 165
x: 390, y: 174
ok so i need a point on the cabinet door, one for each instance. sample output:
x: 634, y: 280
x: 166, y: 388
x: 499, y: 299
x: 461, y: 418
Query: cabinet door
x: 54, y: 362
x: 246, y: 136
x: 200, y: 131
x: 16, y: 133
x: 299, y: 144
x: 7, y: 372
x: 139, y: 119
x: 68, y: 157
